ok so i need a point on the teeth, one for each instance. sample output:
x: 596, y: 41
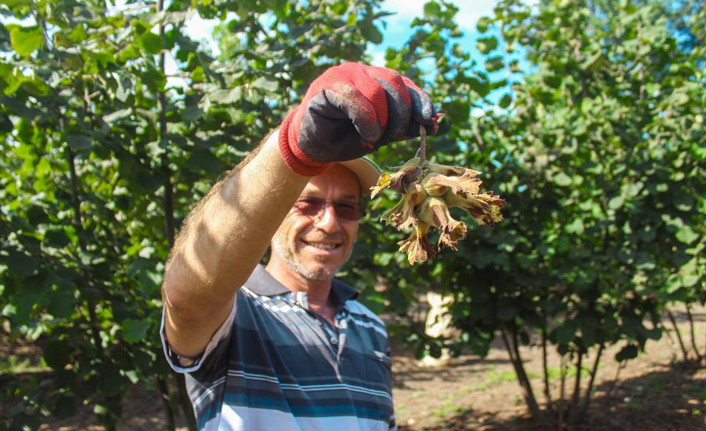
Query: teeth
x: 323, y: 246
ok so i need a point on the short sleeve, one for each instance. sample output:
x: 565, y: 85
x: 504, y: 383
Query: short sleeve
x: 218, y: 337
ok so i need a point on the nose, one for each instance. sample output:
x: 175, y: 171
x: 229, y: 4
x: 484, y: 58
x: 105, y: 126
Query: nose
x: 327, y: 220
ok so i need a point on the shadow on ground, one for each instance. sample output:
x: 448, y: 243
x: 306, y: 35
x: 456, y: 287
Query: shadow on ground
x: 672, y: 399
x: 404, y: 374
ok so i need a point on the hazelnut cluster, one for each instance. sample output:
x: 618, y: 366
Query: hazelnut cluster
x: 428, y: 191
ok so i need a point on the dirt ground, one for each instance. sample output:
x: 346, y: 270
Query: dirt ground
x: 483, y: 395
x: 652, y: 393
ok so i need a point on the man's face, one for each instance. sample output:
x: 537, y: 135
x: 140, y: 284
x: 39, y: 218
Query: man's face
x: 315, y: 246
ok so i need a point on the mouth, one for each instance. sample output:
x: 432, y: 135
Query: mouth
x: 324, y: 246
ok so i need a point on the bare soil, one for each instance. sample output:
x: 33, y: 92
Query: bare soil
x: 654, y: 392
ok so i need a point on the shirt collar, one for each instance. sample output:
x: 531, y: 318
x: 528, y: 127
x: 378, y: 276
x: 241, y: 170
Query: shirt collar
x: 262, y: 283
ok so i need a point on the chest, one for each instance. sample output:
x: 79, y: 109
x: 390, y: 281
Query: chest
x: 298, y: 346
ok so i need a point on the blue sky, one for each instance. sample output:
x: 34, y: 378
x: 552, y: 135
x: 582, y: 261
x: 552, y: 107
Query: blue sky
x: 397, y: 29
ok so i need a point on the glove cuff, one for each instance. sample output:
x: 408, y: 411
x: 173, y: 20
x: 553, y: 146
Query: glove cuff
x: 300, y: 165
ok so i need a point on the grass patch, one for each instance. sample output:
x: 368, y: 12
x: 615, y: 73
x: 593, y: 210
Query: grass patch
x: 13, y: 365
x: 447, y: 409
x: 494, y: 378
x: 532, y: 374
x: 418, y: 394
x: 554, y: 373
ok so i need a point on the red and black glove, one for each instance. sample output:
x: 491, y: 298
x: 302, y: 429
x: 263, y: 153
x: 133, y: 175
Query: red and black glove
x: 352, y: 110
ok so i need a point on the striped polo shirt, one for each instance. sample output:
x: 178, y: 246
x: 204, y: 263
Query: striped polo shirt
x: 276, y: 365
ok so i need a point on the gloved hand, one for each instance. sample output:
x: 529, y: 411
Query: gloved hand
x: 352, y: 110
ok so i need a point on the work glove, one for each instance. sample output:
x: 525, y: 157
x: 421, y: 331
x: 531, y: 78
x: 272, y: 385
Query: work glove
x: 352, y: 110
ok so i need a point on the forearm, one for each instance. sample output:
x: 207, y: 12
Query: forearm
x: 224, y: 239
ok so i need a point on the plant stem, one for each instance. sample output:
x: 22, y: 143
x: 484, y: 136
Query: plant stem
x: 516, y: 360
x: 670, y: 345
x: 693, y: 335
x: 676, y: 331
x: 423, y: 145
x: 164, y: 395
x: 562, y: 393
x: 112, y: 400
x: 78, y: 225
x: 615, y: 380
x: 577, y: 381
x: 547, y: 393
x: 168, y: 201
x: 587, y: 396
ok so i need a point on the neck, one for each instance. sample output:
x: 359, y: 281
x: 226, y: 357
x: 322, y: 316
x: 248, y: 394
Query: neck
x: 317, y: 290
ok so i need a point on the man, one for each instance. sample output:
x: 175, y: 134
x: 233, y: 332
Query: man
x: 287, y: 347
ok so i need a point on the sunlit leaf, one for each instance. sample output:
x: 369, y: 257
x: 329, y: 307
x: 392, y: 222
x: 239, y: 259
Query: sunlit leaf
x: 26, y: 40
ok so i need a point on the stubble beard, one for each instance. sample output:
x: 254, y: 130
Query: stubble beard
x: 319, y: 274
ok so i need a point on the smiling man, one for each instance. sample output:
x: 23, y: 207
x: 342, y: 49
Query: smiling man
x: 287, y: 347
x: 316, y: 238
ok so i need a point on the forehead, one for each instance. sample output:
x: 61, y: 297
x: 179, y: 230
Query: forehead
x: 336, y: 183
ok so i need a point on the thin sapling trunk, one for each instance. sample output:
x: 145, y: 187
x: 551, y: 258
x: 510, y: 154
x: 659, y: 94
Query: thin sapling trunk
x: 692, y: 333
x: 545, y: 367
x: 679, y: 338
x: 587, y: 396
x: 516, y: 359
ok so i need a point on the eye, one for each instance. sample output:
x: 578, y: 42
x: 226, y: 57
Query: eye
x: 349, y: 211
x: 348, y: 206
x: 311, y: 201
x: 309, y: 206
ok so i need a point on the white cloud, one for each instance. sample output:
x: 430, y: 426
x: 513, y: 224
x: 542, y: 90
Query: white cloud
x: 201, y: 30
x: 404, y: 9
x: 470, y: 12
x: 378, y: 55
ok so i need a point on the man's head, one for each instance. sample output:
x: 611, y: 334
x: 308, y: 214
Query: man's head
x: 316, y: 238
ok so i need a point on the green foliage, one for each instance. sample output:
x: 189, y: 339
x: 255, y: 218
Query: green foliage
x: 104, y: 152
x: 601, y: 162
x: 598, y: 149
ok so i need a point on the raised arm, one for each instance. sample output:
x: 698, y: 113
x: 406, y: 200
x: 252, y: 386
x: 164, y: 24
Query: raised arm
x: 221, y: 243
x: 349, y: 111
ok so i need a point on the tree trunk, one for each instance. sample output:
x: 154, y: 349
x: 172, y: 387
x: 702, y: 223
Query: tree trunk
x: 587, y: 397
x: 679, y: 338
x: 547, y: 392
x: 108, y: 420
x: 166, y: 403
x: 577, y: 382
x: 516, y: 360
x: 183, y: 398
x: 562, y: 394
x: 614, y: 383
x: 693, y: 335
x: 670, y: 344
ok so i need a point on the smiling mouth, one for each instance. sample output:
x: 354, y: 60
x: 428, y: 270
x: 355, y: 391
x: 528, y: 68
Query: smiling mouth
x: 322, y: 246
